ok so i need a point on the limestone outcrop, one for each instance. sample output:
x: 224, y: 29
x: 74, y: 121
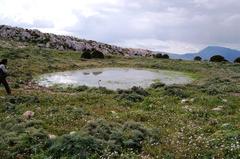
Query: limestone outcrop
x: 61, y: 42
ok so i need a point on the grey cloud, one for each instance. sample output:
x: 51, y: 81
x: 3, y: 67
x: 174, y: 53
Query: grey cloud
x: 40, y: 23
x: 199, y: 22
x: 37, y: 23
x: 194, y: 22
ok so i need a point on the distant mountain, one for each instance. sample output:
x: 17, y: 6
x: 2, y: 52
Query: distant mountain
x: 208, y: 52
x: 187, y: 56
x: 229, y: 54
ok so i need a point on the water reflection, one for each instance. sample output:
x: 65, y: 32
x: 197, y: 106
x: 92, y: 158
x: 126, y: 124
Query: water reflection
x: 113, y: 78
x: 96, y: 73
x: 86, y: 73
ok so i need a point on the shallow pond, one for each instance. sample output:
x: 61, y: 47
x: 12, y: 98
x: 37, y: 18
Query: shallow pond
x: 113, y: 78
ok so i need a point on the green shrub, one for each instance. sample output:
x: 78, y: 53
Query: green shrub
x: 93, y: 53
x: 225, y: 143
x: 134, y: 134
x: 9, y: 107
x: 177, y: 91
x: 237, y: 60
x: 132, y: 97
x: 99, y: 138
x: 197, y: 58
x: 75, y: 146
x: 81, y: 88
x: 21, y: 139
x: 23, y: 99
x: 161, y: 56
x: 157, y: 85
x: 135, y: 94
x: 102, y: 90
x: 217, y: 58
x: 77, y: 112
x: 60, y: 88
x: 211, y: 90
x: 97, y: 54
x: 217, y: 86
x: 158, y: 55
x: 139, y: 90
x: 74, y: 89
x: 127, y: 136
x: 165, y: 56
x: 99, y: 129
x: 86, y: 54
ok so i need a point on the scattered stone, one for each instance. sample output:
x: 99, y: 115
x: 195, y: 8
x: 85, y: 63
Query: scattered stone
x: 225, y: 125
x: 184, y: 101
x: 28, y: 114
x: 72, y: 132
x: 188, y: 108
x: 51, y: 136
x: 224, y: 100
x: 219, y: 108
x: 38, y: 108
x: 113, y: 112
x: 2, y: 97
x: 192, y: 100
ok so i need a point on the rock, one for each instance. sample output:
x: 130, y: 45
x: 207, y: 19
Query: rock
x: 224, y: 100
x: 51, y: 136
x: 28, y: 114
x: 113, y: 112
x: 72, y: 132
x: 60, y: 42
x: 225, y: 124
x: 218, y: 109
x: 192, y: 100
x: 38, y: 108
x: 183, y: 101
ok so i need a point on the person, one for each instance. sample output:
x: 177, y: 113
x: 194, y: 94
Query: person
x: 3, y: 75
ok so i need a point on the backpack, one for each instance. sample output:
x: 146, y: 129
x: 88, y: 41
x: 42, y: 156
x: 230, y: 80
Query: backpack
x: 2, y: 74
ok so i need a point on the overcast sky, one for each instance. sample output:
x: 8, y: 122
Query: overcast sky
x: 176, y: 26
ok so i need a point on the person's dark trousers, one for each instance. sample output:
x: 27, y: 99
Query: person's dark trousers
x: 4, y: 82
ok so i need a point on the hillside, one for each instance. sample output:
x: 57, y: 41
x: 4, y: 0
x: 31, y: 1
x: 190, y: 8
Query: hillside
x: 208, y: 52
x: 197, y: 120
x: 61, y: 42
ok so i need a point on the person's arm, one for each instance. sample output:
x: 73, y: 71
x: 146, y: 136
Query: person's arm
x: 3, y: 67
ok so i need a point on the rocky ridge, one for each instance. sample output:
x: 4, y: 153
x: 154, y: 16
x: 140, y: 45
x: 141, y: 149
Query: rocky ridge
x: 62, y: 42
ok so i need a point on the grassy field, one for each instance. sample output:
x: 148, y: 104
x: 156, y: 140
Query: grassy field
x: 198, y: 120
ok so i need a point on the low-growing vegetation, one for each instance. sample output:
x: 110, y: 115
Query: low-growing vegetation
x: 197, y: 120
